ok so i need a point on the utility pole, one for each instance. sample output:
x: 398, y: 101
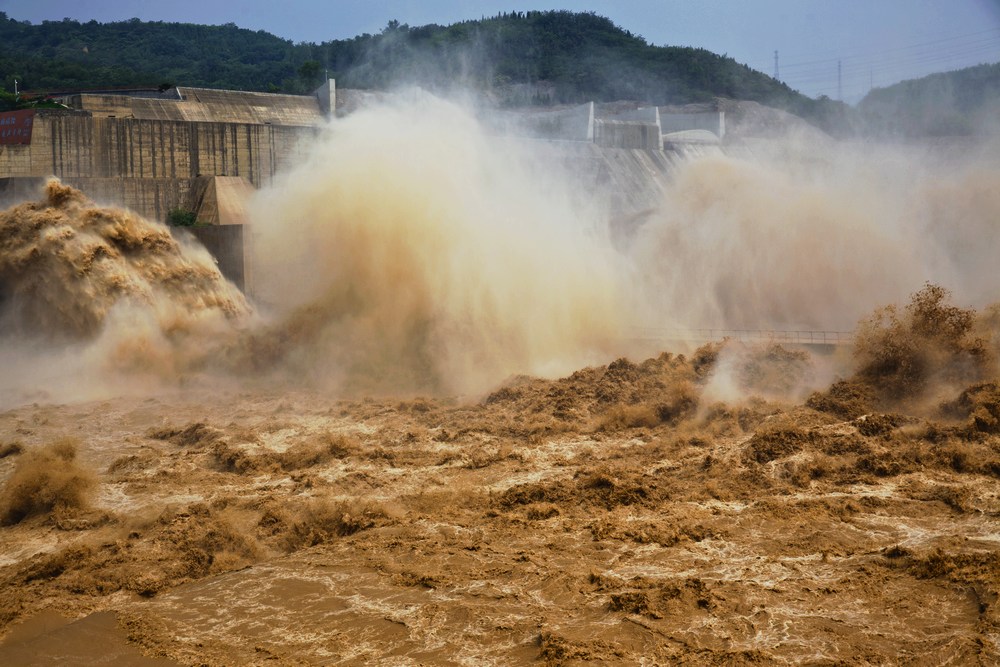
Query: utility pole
x: 840, y: 88
x: 776, y: 64
x: 15, y: 87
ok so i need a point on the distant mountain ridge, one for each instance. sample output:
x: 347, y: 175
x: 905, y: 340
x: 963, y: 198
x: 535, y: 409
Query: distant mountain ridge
x: 518, y: 57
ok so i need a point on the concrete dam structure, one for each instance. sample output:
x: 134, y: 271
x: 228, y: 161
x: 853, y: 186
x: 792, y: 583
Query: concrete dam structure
x: 155, y: 148
x: 205, y: 151
x: 191, y: 149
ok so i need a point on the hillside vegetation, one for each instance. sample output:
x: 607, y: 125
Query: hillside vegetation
x: 963, y: 102
x: 519, y: 57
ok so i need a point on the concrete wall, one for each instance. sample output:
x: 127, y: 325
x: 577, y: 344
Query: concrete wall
x: 151, y: 198
x: 642, y: 115
x: 326, y: 95
x: 227, y: 242
x: 713, y: 121
x: 229, y: 245
x: 203, y: 105
x: 74, y: 144
x: 221, y: 200
x: 625, y: 181
x: 153, y: 166
x: 16, y: 190
x: 204, y: 151
x: 572, y: 124
x: 104, y: 106
x: 627, y: 134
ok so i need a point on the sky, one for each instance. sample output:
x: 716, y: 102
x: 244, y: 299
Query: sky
x: 874, y: 42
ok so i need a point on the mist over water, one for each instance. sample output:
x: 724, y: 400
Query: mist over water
x: 814, y: 238
x: 411, y: 251
x: 426, y: 255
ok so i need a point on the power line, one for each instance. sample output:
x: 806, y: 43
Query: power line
x: 820, y: 80
x: 982, y: 47
x: 870, y: 54
x: 909, y: 69
x: 980, y: 54
x: 816, y: 76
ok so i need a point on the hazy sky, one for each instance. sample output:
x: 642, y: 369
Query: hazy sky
x: 877, y: 41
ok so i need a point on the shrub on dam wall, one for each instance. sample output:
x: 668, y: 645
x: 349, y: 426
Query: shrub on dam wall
x: 180, y: 217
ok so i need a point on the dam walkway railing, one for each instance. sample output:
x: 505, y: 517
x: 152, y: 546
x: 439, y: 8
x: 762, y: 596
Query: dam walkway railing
x: 827, y: 338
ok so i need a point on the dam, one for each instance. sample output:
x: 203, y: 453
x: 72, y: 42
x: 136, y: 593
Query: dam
x: 201, y: 153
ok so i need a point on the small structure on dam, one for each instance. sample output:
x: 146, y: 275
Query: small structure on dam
x: 202, y: 152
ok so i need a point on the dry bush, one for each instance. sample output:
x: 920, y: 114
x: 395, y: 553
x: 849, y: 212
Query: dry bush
x: 46, y: 480
x: 901, y: 354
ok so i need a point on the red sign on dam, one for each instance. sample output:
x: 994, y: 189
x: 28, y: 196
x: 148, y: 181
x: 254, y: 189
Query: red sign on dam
x: 15, y: 126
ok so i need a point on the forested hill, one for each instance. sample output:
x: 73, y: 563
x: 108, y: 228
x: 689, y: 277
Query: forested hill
x: 963, y: 102
x: 540, y: 57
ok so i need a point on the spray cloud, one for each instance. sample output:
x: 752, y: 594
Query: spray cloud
x: 411, y: 251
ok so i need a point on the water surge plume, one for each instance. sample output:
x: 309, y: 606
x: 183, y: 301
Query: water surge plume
x: 88, y: 291
x: 813, y: 237
x: 411, y: 251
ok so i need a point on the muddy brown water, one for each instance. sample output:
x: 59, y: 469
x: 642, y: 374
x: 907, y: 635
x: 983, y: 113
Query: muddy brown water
x: 289, y: 528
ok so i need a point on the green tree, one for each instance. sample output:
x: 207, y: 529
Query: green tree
x: 309, y: 71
